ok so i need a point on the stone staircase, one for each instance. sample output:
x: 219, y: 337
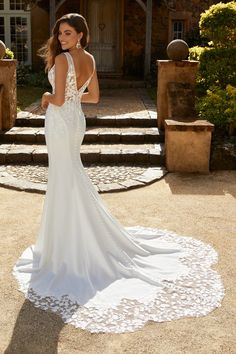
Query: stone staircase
x: 108, y: 140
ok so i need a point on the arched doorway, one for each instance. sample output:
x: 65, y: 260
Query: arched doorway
x: 104, y: 17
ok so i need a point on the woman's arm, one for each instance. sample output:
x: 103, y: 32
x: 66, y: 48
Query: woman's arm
x: 93, y: 95
x: 58, y: 98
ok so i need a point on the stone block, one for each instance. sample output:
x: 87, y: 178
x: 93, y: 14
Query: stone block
x: 109, y: 136
x: 181, y: 100
x: 23, y: 155
x: 135, y: 156
x: 40, y: 137
x: 132, y: 138
x: 172, y: 71
x: 151, y: 175
x: 132, y: 183
x: 40, y: 155
x: 110, y: 155
x: 8, y: 101
x: 188, y: 145
x: 110, y: 187
x: 1, y: 106
x: 3, y: 153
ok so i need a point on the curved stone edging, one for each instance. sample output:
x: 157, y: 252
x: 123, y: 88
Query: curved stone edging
x: 150, y: 175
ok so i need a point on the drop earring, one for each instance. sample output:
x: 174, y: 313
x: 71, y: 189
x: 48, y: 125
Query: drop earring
x: 78, y: 45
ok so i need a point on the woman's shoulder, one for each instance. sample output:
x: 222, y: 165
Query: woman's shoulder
x: 61, y: 60
x: 60, y: 57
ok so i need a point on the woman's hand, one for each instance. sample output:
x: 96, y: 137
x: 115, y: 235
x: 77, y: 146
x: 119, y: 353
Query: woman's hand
x: 44, y: 100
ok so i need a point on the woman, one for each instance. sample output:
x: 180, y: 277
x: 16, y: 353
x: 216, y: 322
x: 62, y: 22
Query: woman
x: 87, y: 267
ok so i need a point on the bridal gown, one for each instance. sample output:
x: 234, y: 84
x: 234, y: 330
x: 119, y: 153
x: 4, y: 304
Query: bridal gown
x: 85, y: 266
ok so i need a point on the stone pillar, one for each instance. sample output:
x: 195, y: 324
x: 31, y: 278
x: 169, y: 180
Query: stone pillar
x: 1, y: 103
x: 188, y: 145
x: 8, y: 98
x: 182, y: 71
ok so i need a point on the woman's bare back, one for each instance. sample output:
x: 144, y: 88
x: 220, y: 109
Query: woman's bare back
x: 84, y: 66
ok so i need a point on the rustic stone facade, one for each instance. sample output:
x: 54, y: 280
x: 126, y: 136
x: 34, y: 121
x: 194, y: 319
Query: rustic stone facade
x: 132, y: 26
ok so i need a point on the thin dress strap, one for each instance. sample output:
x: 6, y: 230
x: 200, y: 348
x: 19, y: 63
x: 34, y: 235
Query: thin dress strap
x: 69, y: 60
x: 94, y: 66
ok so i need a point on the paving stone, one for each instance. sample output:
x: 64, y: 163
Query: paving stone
x: 135, y: 156
x: 40, y: 136
x: 24, y: 114
x: 132, y: 183
x: 106, y: 178
x: 111, y: 187
x: 108, y: 155
x: 40, y: 155
x: 3, y: 153
x: 90, y: 155
x: 19, y: 154
x: 150, y: 175
x: 156, y: 157
x: 37, y: 121
x: 132, y: 137
x: 109, y: 136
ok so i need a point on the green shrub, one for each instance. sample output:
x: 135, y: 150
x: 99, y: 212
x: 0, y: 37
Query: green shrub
x: 216, y: 77
x: 195, y: 52
x: 22, y: 74
x: 219, y: 107
x: 9, y: 54
x: 218, y: 24
x: 217, y: 66
x: 25, y: 76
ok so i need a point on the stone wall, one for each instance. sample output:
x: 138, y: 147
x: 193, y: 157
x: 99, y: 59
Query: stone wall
x: 134, y: 38
x: 134, y: 29
x: 39, y: 34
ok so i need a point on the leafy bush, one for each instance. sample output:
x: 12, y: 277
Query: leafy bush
x: 25, y: 76
x: 216, y: 78
x: 219, y: 107
x: 22, y: 74
x: 218, y: 24
x: 195, y: 52
x: 9, y: 54
x: 217, y: 66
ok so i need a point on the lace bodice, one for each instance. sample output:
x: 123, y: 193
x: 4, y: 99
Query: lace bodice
x: 71, y: 91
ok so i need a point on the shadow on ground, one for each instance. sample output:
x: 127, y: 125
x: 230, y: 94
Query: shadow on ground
x: 32, y: 329
x: 200, y: 184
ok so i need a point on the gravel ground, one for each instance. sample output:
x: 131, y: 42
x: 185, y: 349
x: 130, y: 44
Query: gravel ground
x: 200, y: 206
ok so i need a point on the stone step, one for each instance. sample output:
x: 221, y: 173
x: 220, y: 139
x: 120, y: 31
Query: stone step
x: 103, y: 135
x: 111, y: 81
x: 26, y: 119
x: 152, y: 154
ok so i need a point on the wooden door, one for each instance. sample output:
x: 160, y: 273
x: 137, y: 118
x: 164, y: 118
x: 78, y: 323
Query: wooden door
x: 103, y: 21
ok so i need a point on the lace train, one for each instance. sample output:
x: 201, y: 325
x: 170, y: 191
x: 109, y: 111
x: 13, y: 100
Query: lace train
x: 194, y: 294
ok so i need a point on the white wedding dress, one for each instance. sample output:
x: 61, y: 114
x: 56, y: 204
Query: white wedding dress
x: 88, y: 268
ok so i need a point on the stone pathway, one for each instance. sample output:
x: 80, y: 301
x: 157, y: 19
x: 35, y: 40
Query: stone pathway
x: 106, y: 178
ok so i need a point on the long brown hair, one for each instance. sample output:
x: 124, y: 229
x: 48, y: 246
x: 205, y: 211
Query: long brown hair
x: 53, y: 47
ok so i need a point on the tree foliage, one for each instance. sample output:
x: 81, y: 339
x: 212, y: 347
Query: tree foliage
x: 218, y: 24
